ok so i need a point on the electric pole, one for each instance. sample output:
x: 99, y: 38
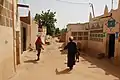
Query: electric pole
x: 90, y: 4
x: 112, y: 5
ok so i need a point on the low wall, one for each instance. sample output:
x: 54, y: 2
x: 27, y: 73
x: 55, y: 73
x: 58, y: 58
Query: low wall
x: 95, y: 47
x: 84, y: 45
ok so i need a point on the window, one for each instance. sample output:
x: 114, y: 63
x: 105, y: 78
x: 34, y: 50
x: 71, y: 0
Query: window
x: 6, y: 4
x: 101, y: 35
x: 7, y: 22
x: 79, y: 33
x: 5, y: 13
x: 93, y: 35
x: 90, y: 35
x: 75, y: 38
x: 85, y: 38
x: 1, y: 2
x: 79, y: 38
x: 1, y: 9
x: 74, y: 33
x: 2, y: 20
x: 85, y: 33
x: 11, y: 23
x: 98, y: 35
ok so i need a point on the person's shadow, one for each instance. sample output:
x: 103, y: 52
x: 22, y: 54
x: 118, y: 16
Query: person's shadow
x: 31, y: 61
x: 65, y: 71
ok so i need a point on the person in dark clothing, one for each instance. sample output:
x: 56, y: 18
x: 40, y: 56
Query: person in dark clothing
x: 72, y: 50
x: 39, y: 46
x: 78, y: 54
x: 78, y: 51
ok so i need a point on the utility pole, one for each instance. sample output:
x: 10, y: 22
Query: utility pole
x: 112, y: 5
x: 90, y: 4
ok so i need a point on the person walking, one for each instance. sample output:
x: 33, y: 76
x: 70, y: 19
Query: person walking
x: 39, y: 46
x: 72, y: 50
x: 78, y: 51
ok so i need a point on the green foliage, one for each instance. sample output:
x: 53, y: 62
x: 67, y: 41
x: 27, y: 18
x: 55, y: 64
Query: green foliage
x: 48, y: 19
x: 57, y: 31
x: 63, y: 30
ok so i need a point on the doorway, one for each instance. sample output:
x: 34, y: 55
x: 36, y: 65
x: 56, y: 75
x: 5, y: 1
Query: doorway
x: 24, y: 39
x: 111, y: 46
x: 17, y: 48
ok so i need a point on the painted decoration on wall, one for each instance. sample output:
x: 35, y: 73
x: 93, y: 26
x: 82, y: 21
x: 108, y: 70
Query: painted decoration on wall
x: 111, y: 22
x: 104, y: 34
x: 98, y: 26
x: 101, y: 26
x: 98, y: 35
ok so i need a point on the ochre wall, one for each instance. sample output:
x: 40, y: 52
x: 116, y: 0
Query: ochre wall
x: 6, y: 53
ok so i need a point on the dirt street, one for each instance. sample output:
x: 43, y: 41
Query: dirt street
x: 52, y: 67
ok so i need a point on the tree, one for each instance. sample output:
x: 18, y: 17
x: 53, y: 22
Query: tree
x: 63, y: 30
x: 57, y: 31
x: 48, y: 20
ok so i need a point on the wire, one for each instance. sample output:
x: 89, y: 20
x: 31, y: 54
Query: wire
x: 89, y: 3
x: 71, y: 2
x: 24, y: 1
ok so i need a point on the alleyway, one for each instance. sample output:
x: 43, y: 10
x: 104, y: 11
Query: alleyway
x: 51, y: 59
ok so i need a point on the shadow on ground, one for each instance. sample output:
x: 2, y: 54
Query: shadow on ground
x: 63, y: 52
x: 31, y: 61
x: 65, y: 71
x: 105, y: 64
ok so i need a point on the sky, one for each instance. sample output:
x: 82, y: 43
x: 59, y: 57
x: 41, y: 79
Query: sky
x: 65, y: 12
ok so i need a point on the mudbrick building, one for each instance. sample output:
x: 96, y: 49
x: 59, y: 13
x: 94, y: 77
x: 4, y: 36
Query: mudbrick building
x: 9, y: 30
x: 100, y: 35
x: 15, y: 36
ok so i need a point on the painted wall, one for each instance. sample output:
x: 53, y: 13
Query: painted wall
x: 34, y: 31
x: 102, y: 28
x: 6, y: 41
x: 6, y: 53
x: 95, y: 28
x: 116, y: 16
x: 77, y: 28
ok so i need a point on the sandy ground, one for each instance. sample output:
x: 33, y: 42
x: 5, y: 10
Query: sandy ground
x: 52, y: 67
